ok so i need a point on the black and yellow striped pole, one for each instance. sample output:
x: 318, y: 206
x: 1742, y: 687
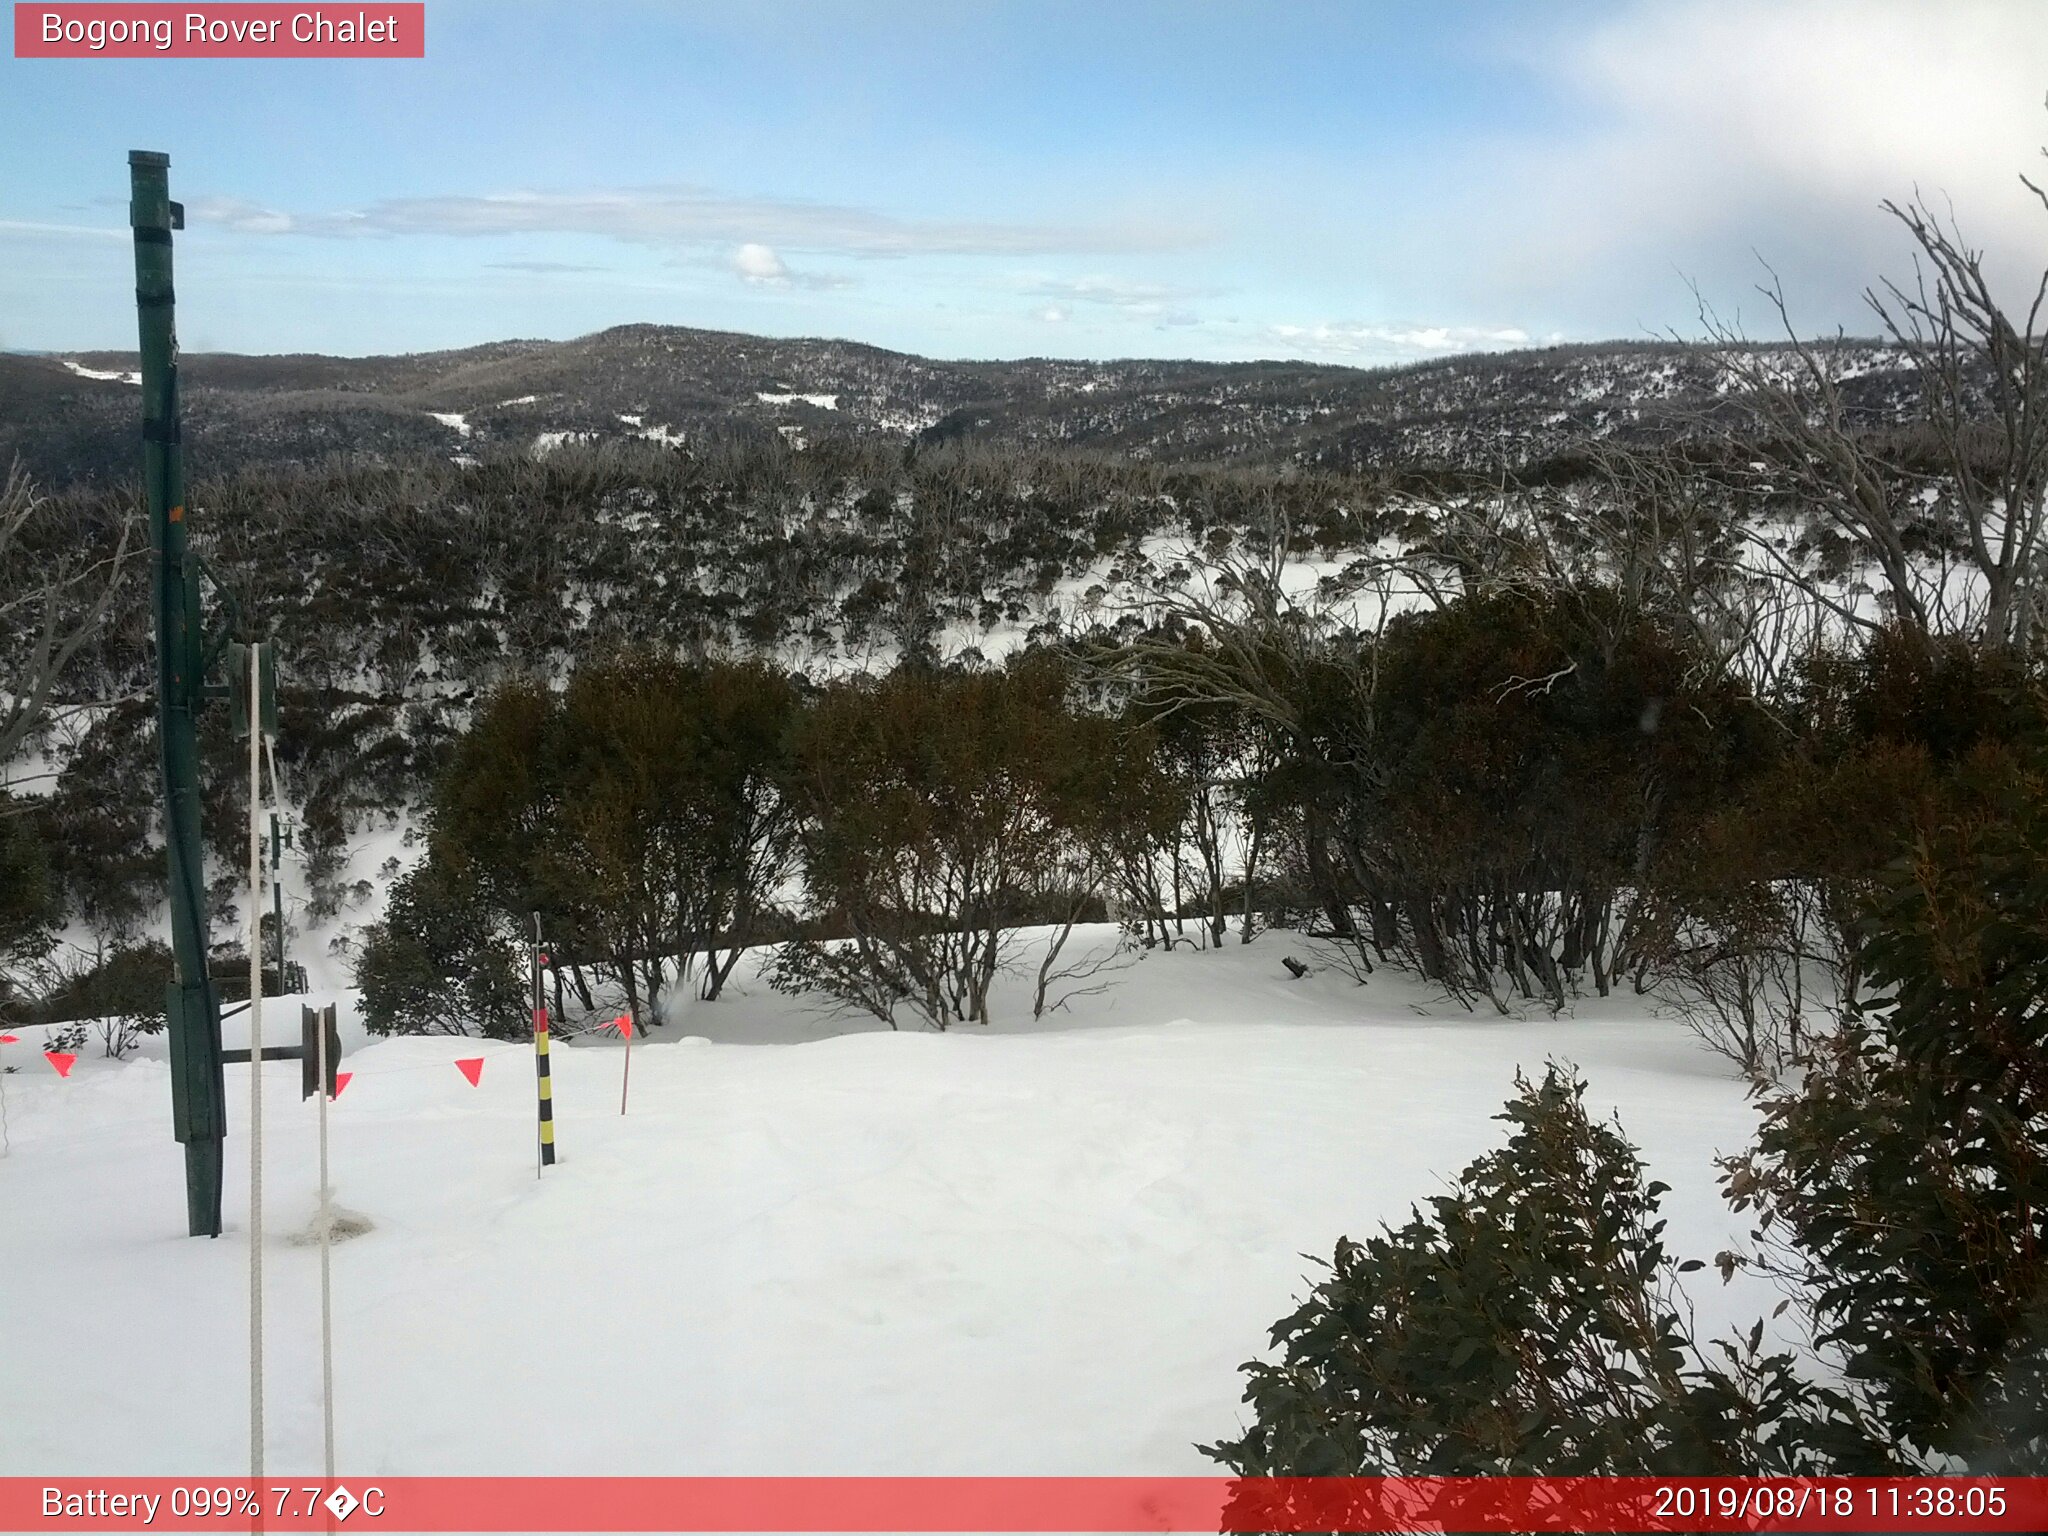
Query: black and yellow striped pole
x: 540, y: 1058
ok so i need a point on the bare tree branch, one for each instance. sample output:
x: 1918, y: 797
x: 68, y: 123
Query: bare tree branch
x: 49, y: 613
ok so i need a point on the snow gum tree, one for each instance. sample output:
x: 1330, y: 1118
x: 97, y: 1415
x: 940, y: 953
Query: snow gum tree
x: 668, y: 803
x: 62, y: 577
x: 118, y: 989
x: 938, y: 812
x: 442, y: 962
x: 639, y: 811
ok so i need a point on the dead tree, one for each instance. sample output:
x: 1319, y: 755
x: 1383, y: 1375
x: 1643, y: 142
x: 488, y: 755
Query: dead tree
x: 1975, y: 477
x: 54, y: 598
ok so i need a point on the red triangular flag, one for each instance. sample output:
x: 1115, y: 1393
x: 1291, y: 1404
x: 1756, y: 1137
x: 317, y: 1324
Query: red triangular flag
x: 63, y: 1061
x: 10, y: 1039
x: 341, y: 1082
x: 624, y: 1025
x: 471, y: 1067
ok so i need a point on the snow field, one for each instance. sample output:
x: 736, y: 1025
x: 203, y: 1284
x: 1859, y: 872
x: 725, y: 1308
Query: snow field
x: 812, y: 1246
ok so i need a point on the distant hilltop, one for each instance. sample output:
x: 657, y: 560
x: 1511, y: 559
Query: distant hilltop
x: 72, y: 416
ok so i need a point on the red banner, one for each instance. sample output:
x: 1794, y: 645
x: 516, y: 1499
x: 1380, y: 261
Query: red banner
x: 259, y: 31
x: 1066, y: 1504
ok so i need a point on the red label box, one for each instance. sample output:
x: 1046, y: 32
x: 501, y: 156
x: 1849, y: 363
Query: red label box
x: 1192, y: 1505
x: 101, y: 30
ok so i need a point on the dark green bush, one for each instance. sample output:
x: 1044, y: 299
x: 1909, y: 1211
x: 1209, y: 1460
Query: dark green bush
x: 441, y: 963
x: 1529, y: 1324
x: 30, y: 906
x: 1904, y: 1182
x: 119, y: 992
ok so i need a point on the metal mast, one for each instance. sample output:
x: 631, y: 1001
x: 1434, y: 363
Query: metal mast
x: 197, y: 1089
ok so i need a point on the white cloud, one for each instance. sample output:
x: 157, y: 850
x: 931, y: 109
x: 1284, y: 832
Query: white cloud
x: 241, y: 216
x: 543, y: 268
x: 1695, y: 136
x: 695, y: 216
x: 1051, y: 314
x: 763, y: 266
x: 1158, y: 302
x: 1109, y: 290
x: 757, y: 263
x: 1857, y: 99
x: 65, y: 231
x: 1395, y: 343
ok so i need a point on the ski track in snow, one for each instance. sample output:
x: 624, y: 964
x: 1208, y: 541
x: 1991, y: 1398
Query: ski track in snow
x: 813, y: 1246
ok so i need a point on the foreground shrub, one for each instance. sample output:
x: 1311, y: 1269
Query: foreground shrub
x: 29, y: 908
x: 1904, y: 1183
x: 1529, y: 1324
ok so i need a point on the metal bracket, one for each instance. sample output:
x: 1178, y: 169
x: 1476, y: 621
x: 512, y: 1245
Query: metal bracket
x: 232, y: 629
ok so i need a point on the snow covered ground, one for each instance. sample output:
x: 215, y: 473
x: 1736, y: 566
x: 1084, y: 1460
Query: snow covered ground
x: 810, y: 1247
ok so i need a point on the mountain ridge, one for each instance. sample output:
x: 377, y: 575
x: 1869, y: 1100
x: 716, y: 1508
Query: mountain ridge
x: 70, y: 416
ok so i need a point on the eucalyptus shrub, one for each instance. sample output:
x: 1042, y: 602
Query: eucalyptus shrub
x: 441, y: 962
x: 1904, y: 1183
x: 1529, y: 1322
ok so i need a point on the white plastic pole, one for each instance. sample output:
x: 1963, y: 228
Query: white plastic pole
x: 326, y: 1281
x: 256, y: 1065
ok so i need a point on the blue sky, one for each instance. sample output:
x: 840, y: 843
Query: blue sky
x: 1356, y: 182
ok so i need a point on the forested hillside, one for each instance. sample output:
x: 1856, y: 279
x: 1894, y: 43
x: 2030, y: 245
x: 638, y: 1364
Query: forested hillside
x: 1514, y: 412
x: 1270, y: 630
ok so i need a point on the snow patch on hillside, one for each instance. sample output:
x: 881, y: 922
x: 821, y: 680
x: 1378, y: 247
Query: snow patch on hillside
x: 547, y: 442
x: 115, y: 376
x: 667, y: 436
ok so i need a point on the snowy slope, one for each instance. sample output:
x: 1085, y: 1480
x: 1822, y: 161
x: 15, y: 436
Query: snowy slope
x: 1037, y: 1249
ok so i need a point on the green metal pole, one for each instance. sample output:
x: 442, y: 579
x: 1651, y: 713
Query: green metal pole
x: 277, y: 896
x: 198, y: 1093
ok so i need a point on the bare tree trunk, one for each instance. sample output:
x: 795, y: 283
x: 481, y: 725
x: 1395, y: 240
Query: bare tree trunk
x: 1257, y: 830
x: 55, y: 612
